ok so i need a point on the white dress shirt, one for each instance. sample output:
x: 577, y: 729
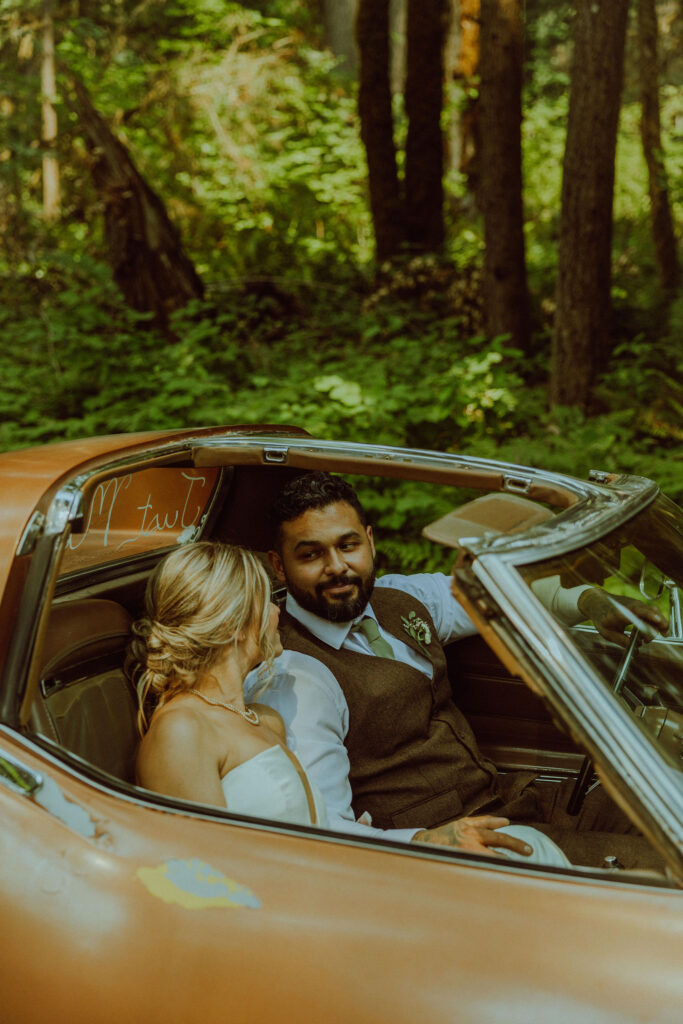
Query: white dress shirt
x: 312, y: 704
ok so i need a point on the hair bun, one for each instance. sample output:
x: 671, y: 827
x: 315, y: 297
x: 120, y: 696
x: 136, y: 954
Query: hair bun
x: 198, y: 600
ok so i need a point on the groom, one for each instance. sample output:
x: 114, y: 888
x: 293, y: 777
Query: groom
x: 367, y: 701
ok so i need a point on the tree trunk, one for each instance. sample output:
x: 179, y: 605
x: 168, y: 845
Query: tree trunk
x: 426, y: 25
x: 51, y: 202
x: 583, y: 303
x: 666, y: 250
x: 338, y: 21
x: 466, y: 69
x: 500, y: 197
x: 145, y: 251
x: 377, y: 126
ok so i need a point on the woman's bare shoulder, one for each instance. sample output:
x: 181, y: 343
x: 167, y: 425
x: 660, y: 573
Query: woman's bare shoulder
x: 180, y: 754
x: 175, y: 727
x: 177, y: 719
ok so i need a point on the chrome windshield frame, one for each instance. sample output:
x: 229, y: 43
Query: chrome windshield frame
x: 572, y: 686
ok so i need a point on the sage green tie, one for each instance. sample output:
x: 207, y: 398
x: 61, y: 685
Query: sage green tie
x: 369, y: 628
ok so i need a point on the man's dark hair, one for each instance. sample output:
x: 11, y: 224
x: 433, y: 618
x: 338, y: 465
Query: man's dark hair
x: 312, y: 490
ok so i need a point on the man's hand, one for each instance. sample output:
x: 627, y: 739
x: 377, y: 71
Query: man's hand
x: 475, y: 835
x: 611, y: 614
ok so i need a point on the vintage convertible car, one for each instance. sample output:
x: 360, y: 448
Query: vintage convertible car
x: 122, y: 904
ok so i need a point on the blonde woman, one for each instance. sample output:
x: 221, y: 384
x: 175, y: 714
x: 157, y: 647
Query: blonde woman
x: 209, y: 621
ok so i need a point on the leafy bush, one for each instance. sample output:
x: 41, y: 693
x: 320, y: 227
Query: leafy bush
x: 78, y: 362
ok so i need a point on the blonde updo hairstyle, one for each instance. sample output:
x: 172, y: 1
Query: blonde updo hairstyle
x: 199, y: 599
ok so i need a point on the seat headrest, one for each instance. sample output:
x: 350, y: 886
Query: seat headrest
x: 490, y: 514
x: 75, y: 625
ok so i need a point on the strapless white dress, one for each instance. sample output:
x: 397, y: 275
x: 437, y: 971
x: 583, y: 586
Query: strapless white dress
x: 545, y: 850
x: 269, y: 786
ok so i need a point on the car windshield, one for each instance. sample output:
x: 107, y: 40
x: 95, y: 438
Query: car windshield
x: 630, y: 578
x: 138, y: 513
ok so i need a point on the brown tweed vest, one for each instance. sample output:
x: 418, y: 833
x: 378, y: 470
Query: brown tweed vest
x: 414, y: 759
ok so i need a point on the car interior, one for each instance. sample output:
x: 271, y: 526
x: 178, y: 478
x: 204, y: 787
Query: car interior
x: 84, y: 702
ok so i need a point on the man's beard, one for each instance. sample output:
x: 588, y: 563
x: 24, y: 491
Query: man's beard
x: 341, y: 609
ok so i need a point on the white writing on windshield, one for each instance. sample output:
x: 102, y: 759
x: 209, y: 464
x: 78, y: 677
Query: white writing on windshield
x: 108, y: 511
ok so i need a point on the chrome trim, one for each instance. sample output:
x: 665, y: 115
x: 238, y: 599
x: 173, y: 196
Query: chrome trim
x: 157, y: 455
x: 276, y: 453
x: 517, y: 484
x: 66, y: 506
x: 576, y: 527
x: 32, y: 532
x: 389, y: 453
x: 599, y: 507
x: 676, y: 615
x: 159, y: 449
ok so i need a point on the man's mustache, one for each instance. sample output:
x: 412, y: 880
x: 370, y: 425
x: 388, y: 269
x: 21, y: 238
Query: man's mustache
x: 339, y: 581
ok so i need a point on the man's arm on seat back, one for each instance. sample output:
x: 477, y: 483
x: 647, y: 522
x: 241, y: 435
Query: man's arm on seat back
x: 433, y: 590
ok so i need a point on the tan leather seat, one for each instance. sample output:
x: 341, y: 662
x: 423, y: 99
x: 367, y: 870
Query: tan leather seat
x: 85, y: 702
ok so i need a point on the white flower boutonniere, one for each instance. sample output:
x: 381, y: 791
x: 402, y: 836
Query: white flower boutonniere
x: 418, y: 629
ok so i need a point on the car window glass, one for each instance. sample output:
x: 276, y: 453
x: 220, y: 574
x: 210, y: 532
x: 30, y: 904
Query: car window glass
x: 638, y: 567
x: 139, y: 512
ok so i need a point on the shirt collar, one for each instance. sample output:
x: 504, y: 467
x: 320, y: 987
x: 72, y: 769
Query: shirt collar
x: 331, y: 633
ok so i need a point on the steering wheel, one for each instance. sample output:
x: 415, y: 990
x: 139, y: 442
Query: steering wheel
x: 578, y: 793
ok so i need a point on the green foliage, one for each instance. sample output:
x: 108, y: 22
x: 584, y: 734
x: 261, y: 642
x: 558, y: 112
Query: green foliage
x: 548, y: 48
x: 233, y: 117
x: 78, y: 363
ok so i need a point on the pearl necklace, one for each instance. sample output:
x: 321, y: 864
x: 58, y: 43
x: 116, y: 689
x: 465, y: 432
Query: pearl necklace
x: 248, y: 714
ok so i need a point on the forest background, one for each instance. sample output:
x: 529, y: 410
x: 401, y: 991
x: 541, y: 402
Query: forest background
x: 215, y: 212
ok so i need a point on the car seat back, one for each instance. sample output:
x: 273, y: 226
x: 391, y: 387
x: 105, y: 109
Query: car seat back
x: 85, y: 702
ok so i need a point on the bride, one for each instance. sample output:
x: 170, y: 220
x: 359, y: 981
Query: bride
x: 209, y: 621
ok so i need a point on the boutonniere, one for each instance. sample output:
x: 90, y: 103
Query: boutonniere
x: 418, y: 629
